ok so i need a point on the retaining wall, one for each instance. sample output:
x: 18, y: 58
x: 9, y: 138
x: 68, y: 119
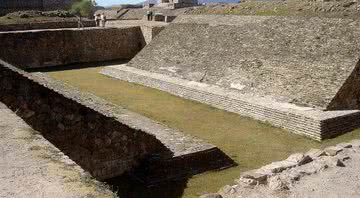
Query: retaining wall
x: 103, y: 138
x: 45, y: 25
x: 42, y: 48
x: 309, y: 122
x: 83, y: 127
x: 303, y: 61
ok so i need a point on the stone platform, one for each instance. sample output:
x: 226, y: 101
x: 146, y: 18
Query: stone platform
x: 298, y: 73
x: 311, y: 122
x: 104, y: 139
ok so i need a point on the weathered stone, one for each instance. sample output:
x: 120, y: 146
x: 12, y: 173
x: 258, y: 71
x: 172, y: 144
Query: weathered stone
x: 128, y: 43
x: 333, y: 150
x: 258, y: 177
x: 312, y: 168
x: 355, y: 143
x: 247, y: 182
x: 211, y: 195
x: 61, y: 126
x: 344, y: 145
x: 227, y: 190
x: 107, y: 141
x: 299, y: 158
x: 276, y: 183
x: 345, y: 158
x: 277, y: 167
x: 331, y: 161
x: 315, y: 153
x: 28, y: 114
x: 294, y: 175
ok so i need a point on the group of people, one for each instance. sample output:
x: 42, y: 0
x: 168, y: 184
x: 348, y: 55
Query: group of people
x: 100, y: 20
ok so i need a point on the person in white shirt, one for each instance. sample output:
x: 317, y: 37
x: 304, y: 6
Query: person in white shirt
x: 97, y: 19
x: 103, y: 20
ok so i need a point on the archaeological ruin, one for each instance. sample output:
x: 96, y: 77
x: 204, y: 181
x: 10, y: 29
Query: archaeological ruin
x: 102, y: 138
x: 15, y: 5
x: 285, y: 71
x: 298, y: 74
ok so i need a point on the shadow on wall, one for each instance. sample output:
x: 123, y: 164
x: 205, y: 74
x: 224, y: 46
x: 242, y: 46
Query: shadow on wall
x: 89, y: 135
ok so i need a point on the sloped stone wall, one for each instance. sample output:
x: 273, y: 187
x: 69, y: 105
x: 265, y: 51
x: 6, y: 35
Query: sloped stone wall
x: 349, y: 93
x: 80, y: 125
x: 303, y: 61
x: 308, y: 122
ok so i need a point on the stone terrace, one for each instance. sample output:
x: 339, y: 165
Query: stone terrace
x: 103, y: 138
x: 303, y: 61
x: 282, y: 70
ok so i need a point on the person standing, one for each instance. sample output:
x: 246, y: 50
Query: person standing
x: 97, y: 20
x: 148, y: 15
x: 151, y: 15
x: 103, y: 19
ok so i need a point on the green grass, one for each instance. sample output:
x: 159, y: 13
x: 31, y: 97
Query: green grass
x: 250, y: 143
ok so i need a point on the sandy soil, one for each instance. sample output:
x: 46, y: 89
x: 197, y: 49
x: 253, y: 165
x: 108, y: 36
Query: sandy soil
x: 32, y: 167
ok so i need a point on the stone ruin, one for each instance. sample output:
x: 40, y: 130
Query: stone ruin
x: 104, y: 139
x: 301, y: 74
x: 14, y: 5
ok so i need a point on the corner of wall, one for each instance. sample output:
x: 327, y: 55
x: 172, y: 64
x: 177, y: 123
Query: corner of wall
x: 348, y: 96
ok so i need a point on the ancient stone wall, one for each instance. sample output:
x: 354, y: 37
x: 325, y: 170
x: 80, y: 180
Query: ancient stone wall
x: 349, y: 93
x: 56, y: 4
x: 82, y: 126
x: 308, y: 122
x: 34, y: 4
x: 29, y: 4
x: 45, y: 25
x: 302, y: 61
x: 41, y: 48
x: 150, y: 32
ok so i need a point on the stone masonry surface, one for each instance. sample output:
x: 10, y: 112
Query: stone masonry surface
x: 34, y: 4
x: 149, y: 29
x: 311, y: 122
x: 41, y: 48
x: 45, y: 25
x: 303, y: 61
x: 102, y: 138
x: 30, y: 166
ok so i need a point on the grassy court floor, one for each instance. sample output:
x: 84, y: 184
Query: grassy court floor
x: 250, y: 143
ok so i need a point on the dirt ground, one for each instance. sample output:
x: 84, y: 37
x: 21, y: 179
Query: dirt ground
x: 335, y: 180
x: 32, y: 167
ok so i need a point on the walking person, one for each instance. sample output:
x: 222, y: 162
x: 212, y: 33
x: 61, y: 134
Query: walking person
x: 97, y: 20
x: 103, y: 20
x: 151, y: 15
x: 148, y: 15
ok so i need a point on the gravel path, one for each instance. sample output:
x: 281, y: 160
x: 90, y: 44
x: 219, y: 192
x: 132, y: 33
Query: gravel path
x: 32, y: 167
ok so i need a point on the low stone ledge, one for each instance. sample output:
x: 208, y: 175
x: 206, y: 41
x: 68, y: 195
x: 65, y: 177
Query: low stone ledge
x: 314, y: 123
x: 45, y: 25
x: 102, y: 138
